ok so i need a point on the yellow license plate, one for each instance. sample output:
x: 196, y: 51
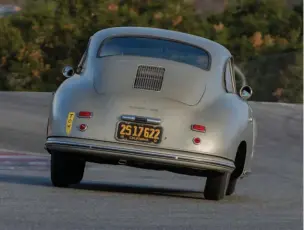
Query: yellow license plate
x: 139, y: 132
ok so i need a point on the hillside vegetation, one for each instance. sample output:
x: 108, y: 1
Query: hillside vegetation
x: 265, y: 39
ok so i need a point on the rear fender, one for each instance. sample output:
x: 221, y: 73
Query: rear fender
x: 68, y: 98
x: 250, y: 135
x: 247, y: 136
x: 226, y: 122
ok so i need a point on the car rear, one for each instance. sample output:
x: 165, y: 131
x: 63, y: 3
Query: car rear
x: 142, y: 102
x: 146, y: 92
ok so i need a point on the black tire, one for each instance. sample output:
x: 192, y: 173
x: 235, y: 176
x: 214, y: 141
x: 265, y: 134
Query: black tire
x: 216, y: 185
x: 239, y: 167
x: 66, y: 170
x: 231, y: 186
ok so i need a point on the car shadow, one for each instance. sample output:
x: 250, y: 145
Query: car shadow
x: 138, y: 189
x: 104, y: 187
x: 157, y: 191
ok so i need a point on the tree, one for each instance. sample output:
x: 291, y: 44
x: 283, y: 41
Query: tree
x: 45, y: 35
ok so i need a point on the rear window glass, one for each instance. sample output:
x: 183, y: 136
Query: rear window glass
x: 156, y: 48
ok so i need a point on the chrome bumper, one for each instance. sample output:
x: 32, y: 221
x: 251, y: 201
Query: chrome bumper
x: 125, y: 152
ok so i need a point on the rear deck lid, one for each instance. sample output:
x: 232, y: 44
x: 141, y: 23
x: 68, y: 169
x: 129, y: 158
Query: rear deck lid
x: 152, y: 67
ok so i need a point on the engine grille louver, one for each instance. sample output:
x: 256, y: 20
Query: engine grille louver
x: 149, y: 78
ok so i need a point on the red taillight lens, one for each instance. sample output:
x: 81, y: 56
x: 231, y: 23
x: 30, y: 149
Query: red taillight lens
x: 83, y: 127
x: 198, y: 128
x: 196, y: 140
x: 85, y: 114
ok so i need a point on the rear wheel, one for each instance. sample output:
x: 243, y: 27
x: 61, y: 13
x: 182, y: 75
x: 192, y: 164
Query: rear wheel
x: 239, y: 167
x: 216, y: 185
x: 231, y: 186
x: 66, y: 170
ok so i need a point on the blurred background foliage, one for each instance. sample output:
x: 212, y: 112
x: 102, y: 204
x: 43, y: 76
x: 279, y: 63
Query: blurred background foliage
x: 265, y: 37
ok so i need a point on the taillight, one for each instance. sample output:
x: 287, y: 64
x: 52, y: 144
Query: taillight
x: 83, y: 127
x: 196, y: 140
x: 198, y: 128
x: 85, y: 114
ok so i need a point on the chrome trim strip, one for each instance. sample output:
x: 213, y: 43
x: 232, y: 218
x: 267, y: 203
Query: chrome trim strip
x: 153, y: 120
x: 219, y: 162
x: 127, y: 117
x: 149, y: 120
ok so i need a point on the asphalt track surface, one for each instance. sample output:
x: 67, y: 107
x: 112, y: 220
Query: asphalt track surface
x: 124, y: 198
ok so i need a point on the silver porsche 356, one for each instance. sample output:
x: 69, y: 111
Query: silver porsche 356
x: 154, y: 99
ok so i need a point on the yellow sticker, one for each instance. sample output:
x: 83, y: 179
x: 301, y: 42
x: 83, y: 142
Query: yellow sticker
x: 69, y: 123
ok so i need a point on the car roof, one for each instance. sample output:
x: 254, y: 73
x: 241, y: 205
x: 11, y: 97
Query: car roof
x: 212, y: 47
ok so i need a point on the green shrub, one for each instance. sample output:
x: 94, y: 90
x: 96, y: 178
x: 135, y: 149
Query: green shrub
x: 265, y: 39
